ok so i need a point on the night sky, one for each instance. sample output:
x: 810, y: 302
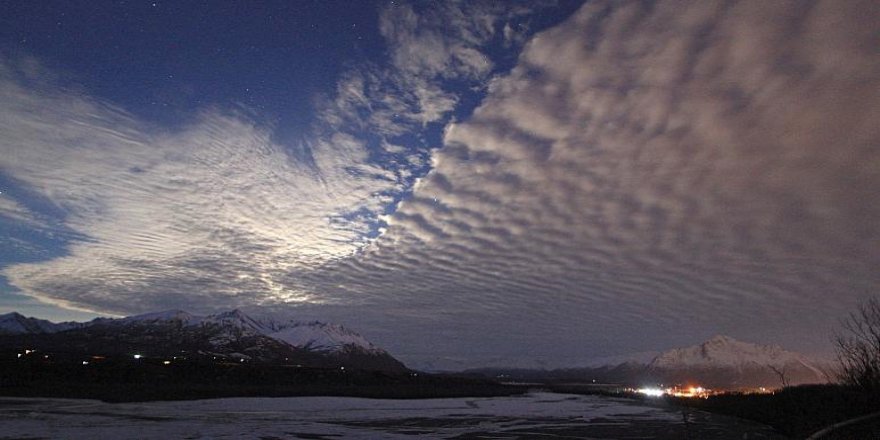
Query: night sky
x: 465, y: 183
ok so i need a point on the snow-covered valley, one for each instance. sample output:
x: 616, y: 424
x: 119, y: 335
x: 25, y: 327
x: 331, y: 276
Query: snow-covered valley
x: 547, y: 415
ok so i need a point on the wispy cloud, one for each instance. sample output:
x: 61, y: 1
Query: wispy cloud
x: 216, y: 210
x: 13, y: 211
x: 217, y: 213
x: 428, y: 46
x: 440, y: 42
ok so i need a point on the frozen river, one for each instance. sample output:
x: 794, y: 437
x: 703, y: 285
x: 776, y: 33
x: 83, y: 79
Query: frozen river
x: 535, y: 415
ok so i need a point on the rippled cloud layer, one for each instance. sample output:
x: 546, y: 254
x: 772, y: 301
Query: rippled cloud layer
x: 652, y: 174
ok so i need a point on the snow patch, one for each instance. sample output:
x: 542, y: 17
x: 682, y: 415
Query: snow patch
x: 323, y: 337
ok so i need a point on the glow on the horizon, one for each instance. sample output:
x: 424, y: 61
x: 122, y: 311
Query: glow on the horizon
x: 653, y: 392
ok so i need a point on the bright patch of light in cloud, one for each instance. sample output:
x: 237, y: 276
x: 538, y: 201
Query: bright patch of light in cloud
x: 218, y: 214
x: 178, y: 217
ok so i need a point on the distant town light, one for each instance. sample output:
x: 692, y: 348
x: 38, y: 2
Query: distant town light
x: 689, y: 392
x: 137, y: 356
x: 167, y: 363
x: 653, y: 392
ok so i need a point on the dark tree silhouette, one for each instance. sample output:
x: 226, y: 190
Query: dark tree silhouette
x: 858, y: 347
x: 783, y: 375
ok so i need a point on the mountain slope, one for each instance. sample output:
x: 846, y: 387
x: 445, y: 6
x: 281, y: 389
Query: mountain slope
x: 726, y: 362
x: 724, y: 351
x: 231, y: 335
x: 319, y: 336
x: 16, y: 324
x: 721, y: 363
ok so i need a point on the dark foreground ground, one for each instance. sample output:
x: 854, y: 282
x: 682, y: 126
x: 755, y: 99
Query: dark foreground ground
x: 800, y: 411
x: 537, y: 415
x: 129, y: 381
x: 795, y: 412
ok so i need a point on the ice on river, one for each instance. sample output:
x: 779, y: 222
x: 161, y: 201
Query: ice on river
x: 543, y: 415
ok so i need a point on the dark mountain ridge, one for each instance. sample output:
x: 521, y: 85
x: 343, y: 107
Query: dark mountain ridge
x: 224, y: 337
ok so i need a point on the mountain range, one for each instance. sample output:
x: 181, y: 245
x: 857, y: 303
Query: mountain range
x: 721, y: 362
x: 234, y: 336
x: 228, y: 336
x: 725, y: 362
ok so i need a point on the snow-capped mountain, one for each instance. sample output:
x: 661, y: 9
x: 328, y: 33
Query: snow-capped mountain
x: 15, y: 324
x: 323, y: 337
x: 721, y: 362
x: 313, y: 336
x: 724, y: 351
x: 233, y: 333
x: 727, y: 362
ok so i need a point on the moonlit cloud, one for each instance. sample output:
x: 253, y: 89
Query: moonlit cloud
x: 213, y: 212
x: 218, y: 213
x: 13, y: 211
x: 446, y: 41
x: 647, y: 175
x: 441, y: 42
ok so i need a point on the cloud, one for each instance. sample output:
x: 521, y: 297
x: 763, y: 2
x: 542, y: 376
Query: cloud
x: 15, y: 212
x: 213, y: 212
x: 645, y: 174
x: 440, y: 42
x: 217, y: 212
x: 648, y: 174
x: 428, y: 46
